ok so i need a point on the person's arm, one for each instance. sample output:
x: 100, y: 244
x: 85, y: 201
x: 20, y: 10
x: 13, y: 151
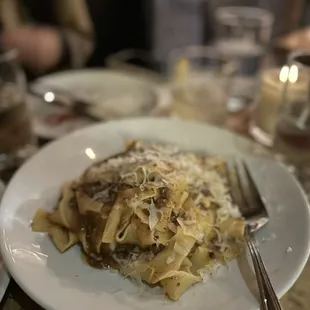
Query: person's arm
x: 76, y: 49
x: 44, y: 49
x: 77, y: 40
x: 43, y: 46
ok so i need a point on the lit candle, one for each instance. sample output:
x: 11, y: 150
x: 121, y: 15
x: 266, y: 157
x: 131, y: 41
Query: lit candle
x: 271, y: 94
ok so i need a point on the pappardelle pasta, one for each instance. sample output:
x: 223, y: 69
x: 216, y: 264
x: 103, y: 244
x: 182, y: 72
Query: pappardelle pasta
x: 153, y: 213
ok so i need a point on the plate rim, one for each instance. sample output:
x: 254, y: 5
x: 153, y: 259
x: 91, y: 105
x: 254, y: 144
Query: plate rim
x: 6, y: 255
x: 160, y: 90
x: 83, y: 71
x: 3, y: 270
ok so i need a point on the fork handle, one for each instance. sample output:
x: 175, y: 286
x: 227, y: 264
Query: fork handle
x: 267, y: 293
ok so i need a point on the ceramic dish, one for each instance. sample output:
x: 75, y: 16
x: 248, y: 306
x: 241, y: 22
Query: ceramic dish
x: 62, y: 281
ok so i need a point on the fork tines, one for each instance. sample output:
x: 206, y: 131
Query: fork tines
x: 245, y: 194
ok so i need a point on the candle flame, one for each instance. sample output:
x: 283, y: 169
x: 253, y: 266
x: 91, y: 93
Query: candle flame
x: 289, y: 74
x: 293, y: 76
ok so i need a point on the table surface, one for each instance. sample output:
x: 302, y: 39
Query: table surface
x: 298, y: 298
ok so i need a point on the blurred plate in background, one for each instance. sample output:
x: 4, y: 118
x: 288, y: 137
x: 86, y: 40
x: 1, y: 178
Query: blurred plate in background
x: 110, y: 94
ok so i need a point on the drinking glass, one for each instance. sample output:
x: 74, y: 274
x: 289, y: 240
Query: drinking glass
x: 243, y: 34
x: 292, y: 132
x: 16, y: 138
x: 200, y: 80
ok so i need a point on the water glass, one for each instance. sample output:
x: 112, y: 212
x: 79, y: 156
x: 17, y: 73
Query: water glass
x: 243, y: 34
x: 200, y: 80
x: 17, y: 142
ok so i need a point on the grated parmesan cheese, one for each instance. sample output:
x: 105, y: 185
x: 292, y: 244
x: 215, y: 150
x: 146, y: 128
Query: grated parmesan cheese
x: 153, y: 218
x: 163, y: 166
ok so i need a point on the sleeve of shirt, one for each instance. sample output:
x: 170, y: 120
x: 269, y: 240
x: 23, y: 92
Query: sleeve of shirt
x: 76, y: 49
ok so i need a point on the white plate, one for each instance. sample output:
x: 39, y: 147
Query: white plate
x: 114, y: 95
x: 61, y: 281
x: 4, y: 276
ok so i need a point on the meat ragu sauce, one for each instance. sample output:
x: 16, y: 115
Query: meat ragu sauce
x: 149, y: 212
x: 131, y: 146
x: 93, y: 224
x: 92, y: 188
x: 163, y: 196
x: 108, y: 259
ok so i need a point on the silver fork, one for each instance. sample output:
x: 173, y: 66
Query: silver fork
x: 246, y: 195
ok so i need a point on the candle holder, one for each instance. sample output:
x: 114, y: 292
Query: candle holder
x: 292, y: 130
x: 270, y: 98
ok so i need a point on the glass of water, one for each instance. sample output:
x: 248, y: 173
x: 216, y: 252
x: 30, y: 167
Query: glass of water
x: 243, y: 34
x: 200, y: 80
x: 17, y: 141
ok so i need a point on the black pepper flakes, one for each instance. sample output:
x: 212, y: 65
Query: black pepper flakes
x: 206, y: 192
x: 163, y: 195
x: 155, y: 249
x: 173, y: 219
